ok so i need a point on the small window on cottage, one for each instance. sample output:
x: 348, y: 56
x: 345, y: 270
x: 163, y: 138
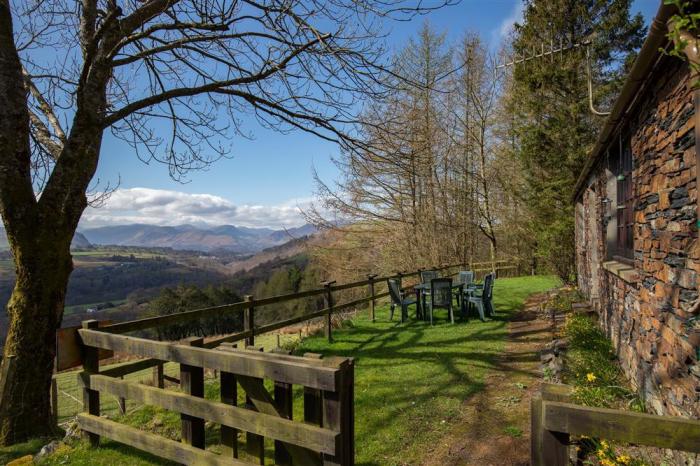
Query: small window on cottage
x: 625, y: 201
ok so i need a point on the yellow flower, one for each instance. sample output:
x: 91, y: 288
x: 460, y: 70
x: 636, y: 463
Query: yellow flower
x: 623, y: 459
x: 591, y: 377
x: 606, y: 462
x: 604, y: 445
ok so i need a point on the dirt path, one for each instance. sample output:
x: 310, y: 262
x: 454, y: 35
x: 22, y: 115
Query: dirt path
x: 495, y: 426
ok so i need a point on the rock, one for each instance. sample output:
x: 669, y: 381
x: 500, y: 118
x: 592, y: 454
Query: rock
x: 556, y: 366
x: 695, y: 370
x: 48, y: 449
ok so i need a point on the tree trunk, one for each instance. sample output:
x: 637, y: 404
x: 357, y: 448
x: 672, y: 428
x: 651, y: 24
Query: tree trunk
x: 35, y: 310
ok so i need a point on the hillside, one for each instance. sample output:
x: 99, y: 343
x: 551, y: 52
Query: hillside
x: 275, y: 253
x: 79, y: 241
x: 229, y: 238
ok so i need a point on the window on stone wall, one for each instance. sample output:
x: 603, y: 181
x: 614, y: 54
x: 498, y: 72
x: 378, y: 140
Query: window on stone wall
x: 625, y: 201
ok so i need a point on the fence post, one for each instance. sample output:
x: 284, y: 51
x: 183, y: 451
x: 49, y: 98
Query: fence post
x: 192, y: 383
x: 54, y: 400
x: 338, y: 414
x: 91, y: 365
x: 158, y: 376
x: 329, y: 305
x: 547, y: 448
x: 283, y: 400
x: 121, y: 402
x: 229, y: 395
x: 249, y: 320
x: 255, y: 444
x: 372, y: 303
x: 313, y: 407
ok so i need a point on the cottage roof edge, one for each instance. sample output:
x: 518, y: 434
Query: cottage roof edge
x: 637, y: 76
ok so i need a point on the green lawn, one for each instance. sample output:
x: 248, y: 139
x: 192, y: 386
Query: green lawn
x: 410, y: 381
x: 411, y: 378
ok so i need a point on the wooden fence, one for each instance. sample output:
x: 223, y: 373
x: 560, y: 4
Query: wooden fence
x: 554, y: 419
x: 325, y: 436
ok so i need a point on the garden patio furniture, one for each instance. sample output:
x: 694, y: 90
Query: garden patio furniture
x: 465, y: 278
x: 441, y: 296
x: 422, y: 291
x: 398, y: 299
x: 427, y: 275
x: 481, y: 298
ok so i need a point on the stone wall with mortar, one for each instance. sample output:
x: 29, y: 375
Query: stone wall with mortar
x: 646, y: 308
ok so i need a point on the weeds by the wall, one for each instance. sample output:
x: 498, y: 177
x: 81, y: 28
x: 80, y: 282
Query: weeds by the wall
x: 591, y: 367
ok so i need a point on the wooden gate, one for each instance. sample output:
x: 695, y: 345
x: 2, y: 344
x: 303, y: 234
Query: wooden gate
x: 554, y: 419
x: 325, y: 436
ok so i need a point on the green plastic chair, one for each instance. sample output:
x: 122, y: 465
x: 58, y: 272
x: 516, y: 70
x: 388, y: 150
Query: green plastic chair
x: 441, y: 296
x: 398, y: 299
x: 482, y: 299
x: 427, y: 275
x: 464, y: 278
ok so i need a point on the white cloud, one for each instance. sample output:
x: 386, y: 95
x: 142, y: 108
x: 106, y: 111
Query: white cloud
x: 504, y: 29
x: 164, y: 207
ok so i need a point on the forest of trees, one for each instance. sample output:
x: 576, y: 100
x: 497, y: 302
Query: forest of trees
x: 467, y: 161
x: 268, y: 279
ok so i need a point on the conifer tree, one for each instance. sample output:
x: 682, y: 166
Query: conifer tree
x: 554, y: 127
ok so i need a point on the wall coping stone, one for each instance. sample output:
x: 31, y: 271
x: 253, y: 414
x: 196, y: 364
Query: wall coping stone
x: 624, y: 271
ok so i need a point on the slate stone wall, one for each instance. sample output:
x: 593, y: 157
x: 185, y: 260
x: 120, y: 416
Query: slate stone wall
x: 647, y: 308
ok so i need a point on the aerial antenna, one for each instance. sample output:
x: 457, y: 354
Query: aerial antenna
x: 551, y: 51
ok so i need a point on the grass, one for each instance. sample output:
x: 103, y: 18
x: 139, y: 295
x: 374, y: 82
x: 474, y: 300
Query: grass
x: 411, y: 379
x: 70, y: 393
x: 513, y: 431
x: 75, y: 308
x: 591, y: 367
x: 410, y: 382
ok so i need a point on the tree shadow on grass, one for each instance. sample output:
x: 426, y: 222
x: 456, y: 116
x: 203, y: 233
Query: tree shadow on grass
x: 411, y: 378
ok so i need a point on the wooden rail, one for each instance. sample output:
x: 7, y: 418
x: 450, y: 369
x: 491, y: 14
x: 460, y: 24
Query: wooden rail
x: 249, y: 305
x: 327, y: 383
x: 331, y: 287
x: 554, y: 419
x: 325, y: 437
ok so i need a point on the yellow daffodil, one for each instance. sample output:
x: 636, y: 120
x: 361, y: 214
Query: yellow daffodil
x: 623, y: 459
x: 591, y: 377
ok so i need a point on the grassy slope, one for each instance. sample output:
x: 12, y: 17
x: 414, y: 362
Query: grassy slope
x: 411, y: 379
x: 409, y: 385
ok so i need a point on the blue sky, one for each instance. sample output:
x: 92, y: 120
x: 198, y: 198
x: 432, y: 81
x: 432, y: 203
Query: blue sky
x: 268, y: 176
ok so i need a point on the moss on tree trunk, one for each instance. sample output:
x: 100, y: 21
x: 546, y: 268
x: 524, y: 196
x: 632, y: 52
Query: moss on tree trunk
x: 35, y: 310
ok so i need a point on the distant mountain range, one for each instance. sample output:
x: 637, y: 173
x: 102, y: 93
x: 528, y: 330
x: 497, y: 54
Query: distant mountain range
x: 79, y: 241
x: 225, y: 237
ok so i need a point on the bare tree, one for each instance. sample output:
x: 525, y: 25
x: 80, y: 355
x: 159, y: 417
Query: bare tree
x: 171, y: 78
x: 393, y: 192
x: 478, y: 93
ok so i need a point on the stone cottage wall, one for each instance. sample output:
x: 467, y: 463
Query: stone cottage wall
x: 645, y: 309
